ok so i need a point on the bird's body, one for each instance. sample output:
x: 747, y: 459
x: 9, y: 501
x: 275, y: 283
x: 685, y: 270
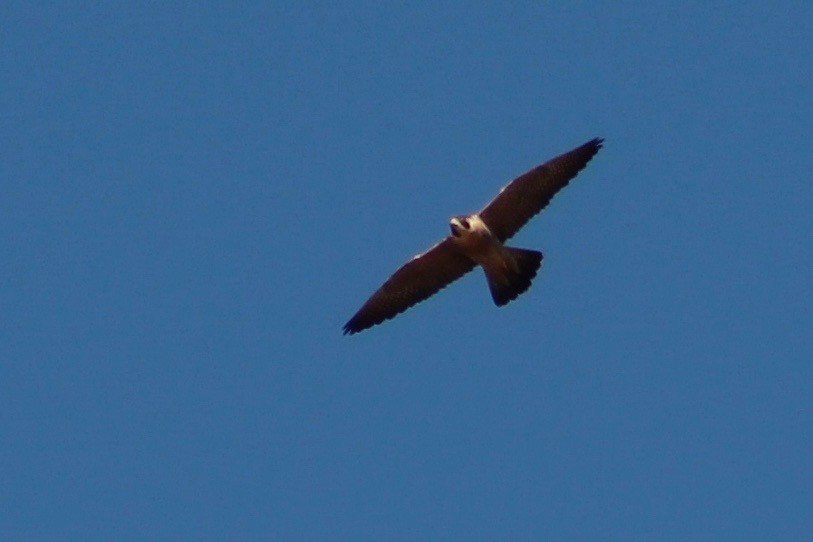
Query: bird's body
x: 478, y: 239
x: 471, y: 235
x: 509, y: 271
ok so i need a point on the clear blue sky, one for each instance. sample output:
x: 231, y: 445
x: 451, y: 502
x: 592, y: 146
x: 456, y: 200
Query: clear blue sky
x: 194, y: 199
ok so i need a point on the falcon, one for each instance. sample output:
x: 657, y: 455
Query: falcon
x: 478, y: 239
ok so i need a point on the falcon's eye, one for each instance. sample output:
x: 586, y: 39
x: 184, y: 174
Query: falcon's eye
x: 465, y: 223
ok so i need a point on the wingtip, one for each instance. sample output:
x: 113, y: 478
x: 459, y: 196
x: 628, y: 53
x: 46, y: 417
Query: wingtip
x: 352, y: 327
x: 593, y: 146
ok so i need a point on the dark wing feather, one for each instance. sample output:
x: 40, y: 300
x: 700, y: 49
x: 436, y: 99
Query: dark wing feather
x: 528, y: 194
x: 421, y: 277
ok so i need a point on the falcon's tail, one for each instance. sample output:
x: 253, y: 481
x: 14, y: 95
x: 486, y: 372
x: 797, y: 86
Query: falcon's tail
x: 512, y: 279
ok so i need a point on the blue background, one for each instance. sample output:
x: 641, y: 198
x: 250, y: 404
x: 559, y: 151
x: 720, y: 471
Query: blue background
x: 194, y: 198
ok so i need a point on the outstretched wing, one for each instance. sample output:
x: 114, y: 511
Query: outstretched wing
x: 421, y: 277
x: 528, y: 194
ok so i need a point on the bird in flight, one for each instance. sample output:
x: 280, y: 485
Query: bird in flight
x: 478, y: 239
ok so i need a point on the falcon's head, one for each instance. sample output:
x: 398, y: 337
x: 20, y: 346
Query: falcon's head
x: 460, y: 226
